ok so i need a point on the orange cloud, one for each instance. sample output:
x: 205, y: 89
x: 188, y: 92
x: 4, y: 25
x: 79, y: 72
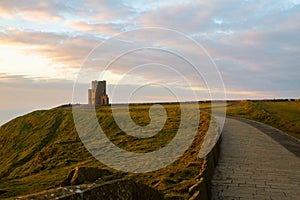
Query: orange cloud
x: 41, y: 11
x: 250, y: 94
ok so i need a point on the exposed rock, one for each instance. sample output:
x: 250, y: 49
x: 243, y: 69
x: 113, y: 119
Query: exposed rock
x: 81, y: 175
x: 121, y: 189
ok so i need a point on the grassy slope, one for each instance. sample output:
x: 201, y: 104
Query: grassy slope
x: 282, y: 115
x: 39, y: 149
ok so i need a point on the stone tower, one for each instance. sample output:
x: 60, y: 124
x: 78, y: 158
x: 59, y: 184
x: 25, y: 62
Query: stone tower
x: 97, y: 95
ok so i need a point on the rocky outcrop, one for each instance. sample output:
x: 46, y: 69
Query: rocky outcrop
x: 93, y: 183
x: 121, y: 189
x: 81, y: 175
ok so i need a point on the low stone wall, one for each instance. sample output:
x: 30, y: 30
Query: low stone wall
x: 202, y: 189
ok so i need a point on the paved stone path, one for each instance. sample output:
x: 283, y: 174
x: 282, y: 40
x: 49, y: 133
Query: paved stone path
x: 254, y: 166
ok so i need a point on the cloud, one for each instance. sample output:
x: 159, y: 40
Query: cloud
x: 64, y: 52
x: 32, y: 10
x: 109, y: 11
x: 186, y: 17
x: 254, y: 43
x: 20, y: 92
x: 13, y: 36
x: 43, y: 44
x: 106, y: 29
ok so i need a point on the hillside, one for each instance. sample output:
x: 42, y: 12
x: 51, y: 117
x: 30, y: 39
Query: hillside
x: 283, y: 115
x: 40, y: 148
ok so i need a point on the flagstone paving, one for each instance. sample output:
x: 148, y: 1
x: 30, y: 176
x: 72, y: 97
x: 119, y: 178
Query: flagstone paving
x: 252, y: 165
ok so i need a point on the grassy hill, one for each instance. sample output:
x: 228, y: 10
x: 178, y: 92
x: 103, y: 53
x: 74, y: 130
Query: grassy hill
x: 39, y: 149
x: 282, y: 115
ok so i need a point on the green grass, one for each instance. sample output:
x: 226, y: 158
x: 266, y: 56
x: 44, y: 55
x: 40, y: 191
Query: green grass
x: 39, y: 149
x: 282, y: 115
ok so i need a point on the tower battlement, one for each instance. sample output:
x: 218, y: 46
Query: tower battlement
x: 97, y: 95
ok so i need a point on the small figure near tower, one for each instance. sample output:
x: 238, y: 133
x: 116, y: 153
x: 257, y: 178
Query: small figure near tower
x: 97, y: 95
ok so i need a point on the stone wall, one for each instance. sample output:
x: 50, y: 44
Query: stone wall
x: 202, y: 189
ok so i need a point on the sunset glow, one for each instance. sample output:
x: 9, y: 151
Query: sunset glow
x: 43, y: 44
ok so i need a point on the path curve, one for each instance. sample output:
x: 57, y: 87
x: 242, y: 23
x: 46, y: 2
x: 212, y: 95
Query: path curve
x: 252, y: 165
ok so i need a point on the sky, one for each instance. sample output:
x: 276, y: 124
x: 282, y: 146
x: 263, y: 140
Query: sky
x: 146, y: 51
